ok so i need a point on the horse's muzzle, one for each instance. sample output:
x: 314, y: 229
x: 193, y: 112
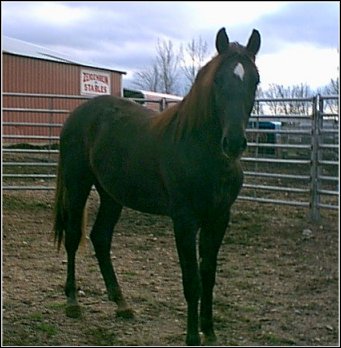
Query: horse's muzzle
x: 233, y: 146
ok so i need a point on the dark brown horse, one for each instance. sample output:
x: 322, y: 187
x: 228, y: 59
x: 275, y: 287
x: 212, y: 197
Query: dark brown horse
x: 183, y: 162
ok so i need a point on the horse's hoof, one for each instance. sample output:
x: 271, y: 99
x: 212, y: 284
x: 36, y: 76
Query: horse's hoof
x: 209, y: 340
x: 126, y: 313
x: 193, y: 340
x: 73, y: 311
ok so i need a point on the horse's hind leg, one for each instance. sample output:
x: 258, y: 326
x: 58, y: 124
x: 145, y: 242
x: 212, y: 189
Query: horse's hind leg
x: 101, y: 237
x: 77, y: 194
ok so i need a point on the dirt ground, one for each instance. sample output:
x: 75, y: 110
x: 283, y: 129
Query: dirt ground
x: 277, y: 280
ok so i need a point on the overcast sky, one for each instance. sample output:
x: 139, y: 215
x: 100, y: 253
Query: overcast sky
x: 300, y: 40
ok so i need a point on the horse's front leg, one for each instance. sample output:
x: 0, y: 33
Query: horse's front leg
x: 211, y: 236
x: 185, y: 229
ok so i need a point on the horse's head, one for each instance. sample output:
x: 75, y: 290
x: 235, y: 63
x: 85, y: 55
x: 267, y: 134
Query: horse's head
x: 235, y: 85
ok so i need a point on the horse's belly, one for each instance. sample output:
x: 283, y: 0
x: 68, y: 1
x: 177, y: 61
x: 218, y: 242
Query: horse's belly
x: 129, y: 173
x: 139, y: 191
x: 145, y: 198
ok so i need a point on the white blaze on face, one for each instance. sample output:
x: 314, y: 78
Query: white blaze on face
x: 239, y: 71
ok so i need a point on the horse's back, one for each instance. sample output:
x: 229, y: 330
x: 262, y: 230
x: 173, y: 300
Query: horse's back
x: 103, y: 109
x: 103, y: 114
x: 111, y: 138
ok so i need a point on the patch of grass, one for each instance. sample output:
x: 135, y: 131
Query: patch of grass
x: 130, y: 274
x: 36, y: 316
x: 48, y: 329
x: 100, y: 336
x: 40, y: 325
x: 248, y: 309
x: 57, y: 305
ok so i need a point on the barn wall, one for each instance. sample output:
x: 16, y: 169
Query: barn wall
x: 36, y: 76
x: 30, y: 75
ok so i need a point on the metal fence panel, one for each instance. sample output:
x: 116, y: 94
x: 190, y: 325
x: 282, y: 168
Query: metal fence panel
x: 292, y: 158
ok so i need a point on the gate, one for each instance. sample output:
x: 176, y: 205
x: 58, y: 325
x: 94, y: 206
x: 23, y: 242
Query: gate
x: 292, y: 156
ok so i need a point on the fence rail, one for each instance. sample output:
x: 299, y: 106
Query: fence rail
x: 292, y: 159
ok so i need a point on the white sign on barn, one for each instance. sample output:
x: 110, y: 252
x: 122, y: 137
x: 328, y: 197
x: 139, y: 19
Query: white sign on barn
x: 94, y: 82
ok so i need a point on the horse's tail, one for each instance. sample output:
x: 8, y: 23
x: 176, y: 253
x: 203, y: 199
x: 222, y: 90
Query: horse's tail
x: 60, y: 209
x: 60, y: 213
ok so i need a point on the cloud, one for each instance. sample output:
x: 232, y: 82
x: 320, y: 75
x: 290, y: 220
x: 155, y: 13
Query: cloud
x: 123, y: 35
x: 299, y: 63
x: 230, y: 14
x: 101, y: 20
x: 109, y: 33
x: 316, y: 23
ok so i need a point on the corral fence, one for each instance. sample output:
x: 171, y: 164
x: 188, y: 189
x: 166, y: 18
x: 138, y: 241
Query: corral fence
x: 292, y: 156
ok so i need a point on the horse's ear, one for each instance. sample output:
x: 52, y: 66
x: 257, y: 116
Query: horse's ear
x: 222, y: 41
x: 253, y: 44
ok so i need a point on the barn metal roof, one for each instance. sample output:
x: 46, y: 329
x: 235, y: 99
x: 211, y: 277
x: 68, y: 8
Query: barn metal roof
x: 28, y: 49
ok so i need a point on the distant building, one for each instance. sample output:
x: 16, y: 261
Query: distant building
x: 32, y: 69
x: 29, y: 68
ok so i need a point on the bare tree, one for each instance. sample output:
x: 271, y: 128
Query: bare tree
x: 167, y: 61
x: 292, y: 103
x: 162, y: 75
x: 332, y: 89
x: 258, y: 107
x: 194, y: 57
x: 148, y: 79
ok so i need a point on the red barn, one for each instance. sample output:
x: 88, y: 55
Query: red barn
x: 41, y: 85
